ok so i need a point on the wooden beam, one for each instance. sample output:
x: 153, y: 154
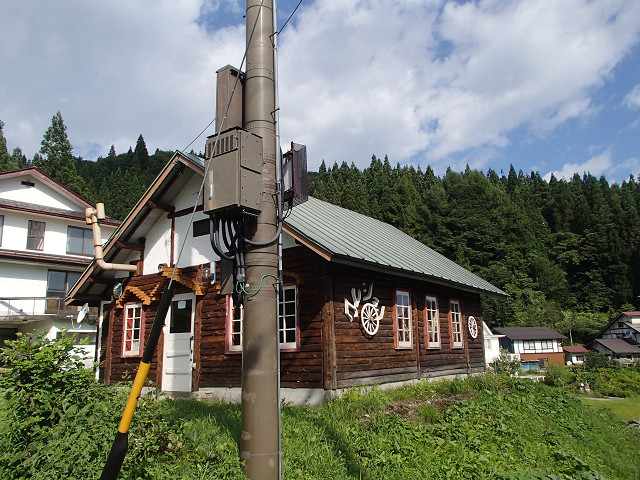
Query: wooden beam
x: 161, y: 206
x: 184, y: 211
x: 138, y: 247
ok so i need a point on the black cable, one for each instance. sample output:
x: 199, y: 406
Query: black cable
x: 290, y: 16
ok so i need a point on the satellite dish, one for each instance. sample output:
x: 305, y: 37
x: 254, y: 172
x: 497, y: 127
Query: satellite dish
x: 82, y: 313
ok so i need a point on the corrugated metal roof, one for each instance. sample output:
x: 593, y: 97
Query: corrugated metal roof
x: 530, y: 333
x: 352, y: 237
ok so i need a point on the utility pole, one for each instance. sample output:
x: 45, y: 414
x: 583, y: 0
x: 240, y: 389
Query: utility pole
x: 260, y: 447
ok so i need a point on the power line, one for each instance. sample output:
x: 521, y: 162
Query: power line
x: 290, y: 16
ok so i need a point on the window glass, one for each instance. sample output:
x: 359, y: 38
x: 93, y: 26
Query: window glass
x: 79, y: 240
x: 433, y: 327
x: 403, y: 319
x: 35, y: 235
x: 58, y: 285
x: 287, y: 318
x: 132, y: 344
x: 1, y: 228
x: 181, y: 316
x: 456, y: 324
x: 235, y: 316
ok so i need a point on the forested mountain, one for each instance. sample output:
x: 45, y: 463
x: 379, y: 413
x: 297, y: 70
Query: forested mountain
x: 567, y: 252
x: 557, y: 247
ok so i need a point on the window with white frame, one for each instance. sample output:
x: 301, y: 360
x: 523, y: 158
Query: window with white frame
x: 433, y: 324
x: 287, y: 321
x: 235, y: 314
x: 455, y: 318
x: 403, y: 319
x: 133, y: 331
x: 79, y: 240
x: 288, y: 318
x: 1, y: 228
x: 35, y: 235
x: 529, y: 346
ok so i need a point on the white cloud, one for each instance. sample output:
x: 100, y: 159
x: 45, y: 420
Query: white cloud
x: 597, y: 166
x: 632, y: 100
x: 113, y: 69
x: 477, y: 70
x: 423, y: 81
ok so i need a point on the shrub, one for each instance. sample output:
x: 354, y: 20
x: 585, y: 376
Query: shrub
x: 594, y: 360
x: 44, y: 379
x: 505, y: 364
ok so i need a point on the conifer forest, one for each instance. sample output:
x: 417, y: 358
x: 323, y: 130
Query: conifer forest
x: 566, y: 251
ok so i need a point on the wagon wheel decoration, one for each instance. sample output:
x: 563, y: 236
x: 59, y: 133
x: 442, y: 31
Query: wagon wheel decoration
x: 473, y: 327
x: 370, y: 318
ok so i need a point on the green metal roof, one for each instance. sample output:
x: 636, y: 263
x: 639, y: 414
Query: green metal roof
x: 353, y: 238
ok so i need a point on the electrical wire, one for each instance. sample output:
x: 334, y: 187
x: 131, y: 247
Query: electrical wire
x: 206, y: 171
x: 240, y: 286
x: 290, y: 16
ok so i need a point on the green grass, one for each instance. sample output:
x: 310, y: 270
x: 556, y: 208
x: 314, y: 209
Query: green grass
x: 479, y: 428
x: 624, y: 408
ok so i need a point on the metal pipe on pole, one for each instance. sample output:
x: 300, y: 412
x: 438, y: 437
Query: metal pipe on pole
x: 260, y: 448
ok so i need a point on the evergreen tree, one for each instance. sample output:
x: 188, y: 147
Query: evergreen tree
x: 141, y: 153
x: 19, y: 158
x: 7, y: 163
x: 56, y: 159
x: 112, y: 152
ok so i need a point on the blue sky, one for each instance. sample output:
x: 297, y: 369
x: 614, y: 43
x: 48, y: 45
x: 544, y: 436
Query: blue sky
x: 545, y: 85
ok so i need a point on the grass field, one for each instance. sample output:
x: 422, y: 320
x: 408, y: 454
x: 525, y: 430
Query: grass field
x: 624, y: 408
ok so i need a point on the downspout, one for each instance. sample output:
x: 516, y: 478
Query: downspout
x: 92, y: 217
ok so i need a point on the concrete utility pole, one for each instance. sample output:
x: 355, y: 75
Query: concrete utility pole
x: 260, y: 360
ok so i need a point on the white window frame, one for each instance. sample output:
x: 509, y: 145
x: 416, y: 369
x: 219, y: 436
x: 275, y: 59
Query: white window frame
x: 232, y: 319
x: 132, y: 346
x: 403, y: 320
x: 455, y: 322
x: 288, y: 322
x: 235, y: 317
x: 432, y: 321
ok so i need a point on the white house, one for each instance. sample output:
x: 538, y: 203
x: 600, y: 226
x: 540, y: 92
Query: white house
x: 537, y: 346
x: 44, y: 247
x: 491, y: 345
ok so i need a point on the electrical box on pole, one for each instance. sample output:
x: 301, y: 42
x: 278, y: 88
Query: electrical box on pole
x: 233, y: 186
x: 294, y: 175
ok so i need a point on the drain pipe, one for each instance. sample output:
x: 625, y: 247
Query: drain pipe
x: 92, y: 217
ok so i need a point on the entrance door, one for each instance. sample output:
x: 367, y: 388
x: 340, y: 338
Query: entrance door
x: 178, y: 344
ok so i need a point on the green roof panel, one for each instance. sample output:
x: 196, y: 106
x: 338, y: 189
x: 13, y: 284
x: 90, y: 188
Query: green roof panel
x: 355, y: 238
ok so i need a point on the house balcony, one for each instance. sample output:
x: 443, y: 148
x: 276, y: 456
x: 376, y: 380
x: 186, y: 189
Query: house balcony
x: 20, y: 310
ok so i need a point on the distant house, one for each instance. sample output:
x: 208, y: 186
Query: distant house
x: 491, y: 344
x: 616, y: 349
x: 422, y: 312
x: 536, y: 346
x: 44, y: 247
x: 625, y: 326
x: 574, y: 354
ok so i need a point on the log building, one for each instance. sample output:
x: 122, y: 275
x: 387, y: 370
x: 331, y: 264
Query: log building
x: 361, y: 303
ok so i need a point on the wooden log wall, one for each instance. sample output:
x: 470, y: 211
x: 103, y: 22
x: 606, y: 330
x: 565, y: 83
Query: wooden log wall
x: 332, y: 351
x: 361, y: 359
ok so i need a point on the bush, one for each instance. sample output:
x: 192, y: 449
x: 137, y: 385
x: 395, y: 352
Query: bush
x: 57, y: 422
x: 44, y: 379
x: 594, y: 360
x: 504, y: 364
